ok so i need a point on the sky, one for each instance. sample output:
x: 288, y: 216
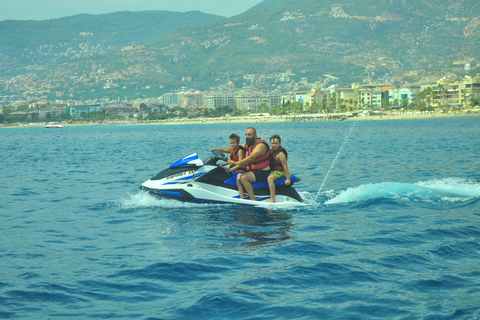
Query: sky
x: 52, y: 9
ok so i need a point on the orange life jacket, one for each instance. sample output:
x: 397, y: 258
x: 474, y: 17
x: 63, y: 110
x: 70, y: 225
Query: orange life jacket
x: 234, y: 153
x: 261, y: 162
x: 275, y: 163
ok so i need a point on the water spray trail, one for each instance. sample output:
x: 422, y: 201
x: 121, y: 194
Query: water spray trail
x: 335, y: 160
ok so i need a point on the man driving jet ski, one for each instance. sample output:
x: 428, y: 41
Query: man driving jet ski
x: 256, y: 161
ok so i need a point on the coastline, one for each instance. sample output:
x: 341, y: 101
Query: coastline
x: 417, y: 116
x: 246, y: 120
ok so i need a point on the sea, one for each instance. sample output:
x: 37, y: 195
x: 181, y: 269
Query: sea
x: 389, y: 227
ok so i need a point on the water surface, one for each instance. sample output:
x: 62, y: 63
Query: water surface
x: 393, y: 233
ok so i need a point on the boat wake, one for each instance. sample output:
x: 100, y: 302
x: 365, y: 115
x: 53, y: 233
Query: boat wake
x: 448, y: 190
x: 143, y: 199
x: 441, y: 190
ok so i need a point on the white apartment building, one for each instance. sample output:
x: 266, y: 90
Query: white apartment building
x: 220, y: 99
x: 171, y: 100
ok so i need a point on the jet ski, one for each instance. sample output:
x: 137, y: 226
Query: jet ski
x: 194, y: 180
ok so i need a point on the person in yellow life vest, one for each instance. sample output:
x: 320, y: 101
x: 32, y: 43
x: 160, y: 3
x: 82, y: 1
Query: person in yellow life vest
x: 237, y: 153
x: 278, y: 164
x: 256, y: 161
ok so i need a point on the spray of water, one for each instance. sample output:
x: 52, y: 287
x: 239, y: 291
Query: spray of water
x: 347, y: 137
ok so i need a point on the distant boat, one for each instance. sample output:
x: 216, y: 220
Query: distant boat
x: 53, y: 126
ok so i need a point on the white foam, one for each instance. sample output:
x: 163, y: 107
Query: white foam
x: 280, y: 205
x: 447, y: 189
x: 453, y: 186
x: 143, y: 199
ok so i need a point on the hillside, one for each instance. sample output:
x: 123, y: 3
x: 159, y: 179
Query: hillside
x: 36, y: 45
x: 347, y: 40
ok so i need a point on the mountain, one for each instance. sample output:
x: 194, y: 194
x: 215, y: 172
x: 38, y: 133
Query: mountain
x: 389, y: 41
x: 265, y: 5
x: 36, y: 45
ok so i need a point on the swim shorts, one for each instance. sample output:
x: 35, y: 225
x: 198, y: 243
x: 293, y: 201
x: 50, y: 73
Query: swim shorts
x: 279, y: 174
x: 261, y: 175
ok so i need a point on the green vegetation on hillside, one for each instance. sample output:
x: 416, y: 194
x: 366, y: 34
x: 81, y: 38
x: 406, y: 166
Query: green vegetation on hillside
x: 352, y: 40
x: 33, y: 44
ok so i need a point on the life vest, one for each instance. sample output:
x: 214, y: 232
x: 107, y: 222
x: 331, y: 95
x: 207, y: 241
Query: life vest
x: 261, y: 162
x: 234, y: 152
x: 275, y: 163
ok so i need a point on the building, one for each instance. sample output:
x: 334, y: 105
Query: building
x: 456, y: 93
x: 220, y: 99
x: 76, y: 111
x: 302, y: 97
x: 120, y: 112
x: 373, y: 97
x: 55, y: 112
x: 191, y: 99
x: 404, y: 94
x: 275, y: 98
x: 251, y: 100
x: 321, y: 97
x: 28, y: 116
x: 347, y: 98
x: 171, y: 100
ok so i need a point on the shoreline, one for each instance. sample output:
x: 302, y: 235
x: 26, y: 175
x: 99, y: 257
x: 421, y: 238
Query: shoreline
x: 417, y: 116
x: 247, y: 120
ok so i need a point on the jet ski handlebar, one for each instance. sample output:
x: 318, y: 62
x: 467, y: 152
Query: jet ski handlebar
x: 216, y: 155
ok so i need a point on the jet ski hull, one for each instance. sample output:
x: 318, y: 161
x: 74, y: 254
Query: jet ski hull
x: 195, y: 181
x: 204, y: 193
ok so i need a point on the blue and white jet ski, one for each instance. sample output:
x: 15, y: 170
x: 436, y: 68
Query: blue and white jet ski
x: 191, y: 179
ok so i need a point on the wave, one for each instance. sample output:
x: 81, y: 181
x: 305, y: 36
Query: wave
x: 143, y: 199
x: 447, y: 189
x: 451, y: 190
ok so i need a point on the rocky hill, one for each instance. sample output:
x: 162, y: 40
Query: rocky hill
x: 32, y: 46
x: 347, y: 40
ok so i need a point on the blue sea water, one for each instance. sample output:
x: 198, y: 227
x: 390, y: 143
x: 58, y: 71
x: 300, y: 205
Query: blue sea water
x: 393, y: 234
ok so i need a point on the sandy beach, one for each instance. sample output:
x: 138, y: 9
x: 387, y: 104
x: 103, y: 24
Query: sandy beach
x: 257, y: 119
x: 417, y: 116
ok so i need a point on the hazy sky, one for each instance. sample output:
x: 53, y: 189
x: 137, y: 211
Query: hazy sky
x: 51, y: 9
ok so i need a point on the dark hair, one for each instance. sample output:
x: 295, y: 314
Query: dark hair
x: 276, y: 136
x: 234, y: 136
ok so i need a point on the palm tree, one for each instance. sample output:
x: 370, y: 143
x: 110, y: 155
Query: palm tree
x: 395, y: 102
x: 475, y: 101
x: 429, y: 95
x: 332, y: 102
x: 341, y: 103
x: 385, y: 104
x: 306, y: 107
